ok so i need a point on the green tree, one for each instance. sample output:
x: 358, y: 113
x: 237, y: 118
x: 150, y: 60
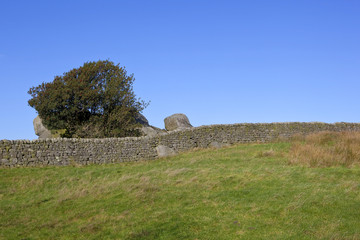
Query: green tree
x: 94, y: 100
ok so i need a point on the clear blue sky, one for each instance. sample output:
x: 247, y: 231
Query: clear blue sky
x: 216, y: 61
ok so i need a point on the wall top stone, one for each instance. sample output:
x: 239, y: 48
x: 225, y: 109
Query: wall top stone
x: 305, y: 125
x: 177, y: 121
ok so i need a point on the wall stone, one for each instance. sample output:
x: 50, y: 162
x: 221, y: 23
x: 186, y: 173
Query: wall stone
x: 66, y: 151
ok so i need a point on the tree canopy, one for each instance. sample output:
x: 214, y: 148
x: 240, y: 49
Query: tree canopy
x: 94, y: 100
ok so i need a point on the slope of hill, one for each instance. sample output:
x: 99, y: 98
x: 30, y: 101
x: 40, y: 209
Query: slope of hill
x: 248, y: 191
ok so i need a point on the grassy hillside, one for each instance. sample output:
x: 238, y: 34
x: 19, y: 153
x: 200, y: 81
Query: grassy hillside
x: 241, y: 192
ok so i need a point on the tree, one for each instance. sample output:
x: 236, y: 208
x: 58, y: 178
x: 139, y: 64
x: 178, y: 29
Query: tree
x: 95, y: 100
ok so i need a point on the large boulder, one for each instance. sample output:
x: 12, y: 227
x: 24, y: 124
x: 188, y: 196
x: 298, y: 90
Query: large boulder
x: 218, y: 145
x: 40, y: 129
x: 177, y: 122
x: 146, y: 129
x: 164, y: 151
x: 151, y: 131
x: 142, y: 120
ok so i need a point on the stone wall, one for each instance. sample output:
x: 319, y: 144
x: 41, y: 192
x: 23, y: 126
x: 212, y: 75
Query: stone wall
x: 62, y: 151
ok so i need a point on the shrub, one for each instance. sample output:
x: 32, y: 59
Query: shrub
x: 94, y: 100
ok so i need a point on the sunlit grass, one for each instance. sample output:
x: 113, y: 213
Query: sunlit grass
x: 240, y: 192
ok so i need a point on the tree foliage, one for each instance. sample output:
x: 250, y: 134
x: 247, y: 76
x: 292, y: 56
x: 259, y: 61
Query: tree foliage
x: 94, y: 100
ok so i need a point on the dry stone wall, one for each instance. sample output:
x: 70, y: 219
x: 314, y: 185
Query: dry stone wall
x: 62, y: 151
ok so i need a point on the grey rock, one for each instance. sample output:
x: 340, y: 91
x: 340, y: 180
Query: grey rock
x: 177, y: 122
x: 146, y: 129
x: 4, y: 161
x: 218, y: 145
x: 164, y: 151
x: 142, y: 120
x: 150, y: 131
x: 40, y: 129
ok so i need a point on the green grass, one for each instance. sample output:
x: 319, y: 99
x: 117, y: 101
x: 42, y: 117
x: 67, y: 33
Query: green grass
x: 241, y: 192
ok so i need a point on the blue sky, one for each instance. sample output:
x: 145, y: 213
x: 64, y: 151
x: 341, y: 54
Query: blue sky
x: 218, y: 62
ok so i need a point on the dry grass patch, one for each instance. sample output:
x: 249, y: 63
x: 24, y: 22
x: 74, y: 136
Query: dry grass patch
x: 326, y: 149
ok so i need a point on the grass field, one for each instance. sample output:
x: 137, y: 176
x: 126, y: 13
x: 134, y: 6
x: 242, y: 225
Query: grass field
x: 250, y: 191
